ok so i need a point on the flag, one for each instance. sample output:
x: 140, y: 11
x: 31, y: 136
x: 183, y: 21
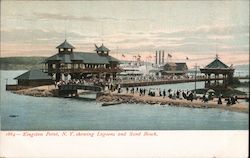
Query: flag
x: 187, y: 58
x: 123, y: 55
x: 169, y: 55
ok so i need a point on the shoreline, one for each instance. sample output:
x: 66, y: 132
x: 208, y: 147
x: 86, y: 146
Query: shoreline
x: 41, y: 91
x: 51, y: 91
x: 136, y: 98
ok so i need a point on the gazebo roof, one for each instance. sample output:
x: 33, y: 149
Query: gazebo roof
x: 217, y: 67
x: 65, y: 45
x: 216, y: 64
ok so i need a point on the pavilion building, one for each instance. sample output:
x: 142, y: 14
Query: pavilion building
x: 81, y: 64
x: 172, y: 68
x: 217, y: 69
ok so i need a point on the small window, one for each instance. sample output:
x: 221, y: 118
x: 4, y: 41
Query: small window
x: 53, y: 66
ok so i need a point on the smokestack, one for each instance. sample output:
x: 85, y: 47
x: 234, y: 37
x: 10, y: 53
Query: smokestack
x: 163, y: 57
x: 156, y: 56
x: 159, y: 57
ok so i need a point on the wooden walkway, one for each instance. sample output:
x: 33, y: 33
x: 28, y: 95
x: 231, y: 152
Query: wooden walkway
x: 160, y: 82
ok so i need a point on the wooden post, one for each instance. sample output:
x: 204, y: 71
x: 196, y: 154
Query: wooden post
x: 209, y: 82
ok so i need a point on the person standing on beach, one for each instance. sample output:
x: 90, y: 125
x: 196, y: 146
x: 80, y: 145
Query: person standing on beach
x: 219, y: 100
x: 229, y: 102
x: 184, y: 95
x: 169, y: 91
x: 232, y: 100
x: 160, y: 93
x: 164, y: 93
x: 178, y: 94
x: 55, y: 83
x: 191, y: 96
x: 236, y: 99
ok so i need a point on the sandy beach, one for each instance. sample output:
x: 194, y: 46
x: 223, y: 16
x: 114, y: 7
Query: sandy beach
x: 41, y: 91
x: 136, y: 98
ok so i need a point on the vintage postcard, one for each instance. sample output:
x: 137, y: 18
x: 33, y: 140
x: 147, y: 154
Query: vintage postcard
x: 124, y: 78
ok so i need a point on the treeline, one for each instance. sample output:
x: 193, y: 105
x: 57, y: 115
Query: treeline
x: 21, y: 63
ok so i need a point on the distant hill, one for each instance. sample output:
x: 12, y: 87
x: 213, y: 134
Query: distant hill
x: 21, y: 63
x: 242, y: 67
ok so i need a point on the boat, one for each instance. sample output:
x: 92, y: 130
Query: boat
x: 13, y: 115
x: 111, y: 103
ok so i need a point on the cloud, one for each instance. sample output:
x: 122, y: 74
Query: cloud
x: 49, y: 16
x: 206, y: 39
x: 39, y: 36
x: 223, y: 30
x: 229, y: 39
x: 138, y: 19
x: 133, y: 40
x: 200, y: 41
x: 205, y: 31
x: 52, y: 16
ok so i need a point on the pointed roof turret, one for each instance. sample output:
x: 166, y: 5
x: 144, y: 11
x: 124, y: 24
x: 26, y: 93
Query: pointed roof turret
x: 65, y: 45
x: 217, y: 64
x: 102, y: 48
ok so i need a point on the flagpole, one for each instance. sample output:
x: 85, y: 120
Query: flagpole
x: 195, y: 79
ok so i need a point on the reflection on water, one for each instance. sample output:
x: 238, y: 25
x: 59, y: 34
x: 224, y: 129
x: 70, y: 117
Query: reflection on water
x: 33, y: 113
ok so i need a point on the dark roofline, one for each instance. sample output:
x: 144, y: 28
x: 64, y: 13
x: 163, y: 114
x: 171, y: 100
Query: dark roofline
x: 33, y: 74
x: 78, y: 56
x: 209, y: 66
x: 66, y: 45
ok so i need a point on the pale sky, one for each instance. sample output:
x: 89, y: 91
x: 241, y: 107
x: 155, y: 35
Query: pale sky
x: 198, y: 29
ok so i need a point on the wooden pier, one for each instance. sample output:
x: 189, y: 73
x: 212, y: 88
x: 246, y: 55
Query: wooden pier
x: 160, y: 82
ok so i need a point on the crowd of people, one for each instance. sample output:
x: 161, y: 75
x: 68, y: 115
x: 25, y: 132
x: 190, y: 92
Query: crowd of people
x: 153, y: 92
x: 231, y: 100
x: 101, y: 81
x: 91, y: 81
x: 148, y: 78
x: 114, y: 84
x: 176, y: 94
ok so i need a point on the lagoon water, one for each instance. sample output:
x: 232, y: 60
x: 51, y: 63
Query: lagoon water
x: 50, y: 113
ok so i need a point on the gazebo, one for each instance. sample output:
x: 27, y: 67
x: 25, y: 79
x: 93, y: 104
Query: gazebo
x: 218, y: 70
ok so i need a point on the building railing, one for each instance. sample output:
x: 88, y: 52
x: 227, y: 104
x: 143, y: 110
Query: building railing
x: 80, y: 86
x: 84, y: 70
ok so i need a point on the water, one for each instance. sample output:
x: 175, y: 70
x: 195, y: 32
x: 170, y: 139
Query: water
x: 34, y: 113
x: 242, y: 71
